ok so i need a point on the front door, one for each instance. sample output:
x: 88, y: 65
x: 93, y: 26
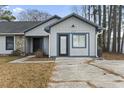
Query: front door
x: 37, y: 44
x: 63, y: 45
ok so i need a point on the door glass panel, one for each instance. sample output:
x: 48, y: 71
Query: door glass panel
x: 63, y: 45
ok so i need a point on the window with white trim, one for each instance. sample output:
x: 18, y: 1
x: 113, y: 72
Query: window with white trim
x: 79, y: 40
x: 9, y: 43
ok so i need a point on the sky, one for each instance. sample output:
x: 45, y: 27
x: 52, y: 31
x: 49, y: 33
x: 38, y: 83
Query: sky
x: 60, y: 10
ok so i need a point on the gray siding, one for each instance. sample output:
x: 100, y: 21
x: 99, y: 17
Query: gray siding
x: 29, y: 45
x: 3, y: 46
x: 80, y: 27
x: 46, y: 45
x: 39, y: 31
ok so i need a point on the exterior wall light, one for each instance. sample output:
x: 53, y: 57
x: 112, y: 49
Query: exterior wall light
x: 73, y: 25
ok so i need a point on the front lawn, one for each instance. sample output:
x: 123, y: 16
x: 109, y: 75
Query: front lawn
x: 5, y: 59
x: 112, y: 56
x: 25, y: 75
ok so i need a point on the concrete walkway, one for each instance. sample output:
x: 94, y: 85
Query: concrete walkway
x: 21, y: 60
x: 24, y: 60
x: 86, y: 73
x: 68, y: 60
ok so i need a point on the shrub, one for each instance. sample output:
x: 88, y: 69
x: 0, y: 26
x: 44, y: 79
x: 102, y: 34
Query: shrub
x: 39, y: 53
x: 18, y: 53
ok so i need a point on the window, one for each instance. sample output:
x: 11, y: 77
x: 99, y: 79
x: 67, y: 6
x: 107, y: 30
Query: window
x: 9, y: 43
x: 78, y: 40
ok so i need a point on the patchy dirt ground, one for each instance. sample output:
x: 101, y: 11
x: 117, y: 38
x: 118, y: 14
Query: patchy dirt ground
x: 111, y: 56
x: 5, y: 59
x: 25, y: 75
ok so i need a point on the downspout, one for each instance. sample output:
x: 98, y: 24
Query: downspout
x: 98, y: 33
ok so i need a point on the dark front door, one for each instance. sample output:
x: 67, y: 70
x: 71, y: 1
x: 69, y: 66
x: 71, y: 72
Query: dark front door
x: 63, y: 45
x: 37, y: 44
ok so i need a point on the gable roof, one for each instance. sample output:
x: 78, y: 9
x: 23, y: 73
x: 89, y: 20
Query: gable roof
x: 47, y: 29
x: 53, y: 17
x: 21, y: 26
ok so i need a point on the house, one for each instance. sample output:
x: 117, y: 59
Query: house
x: 68, y: 36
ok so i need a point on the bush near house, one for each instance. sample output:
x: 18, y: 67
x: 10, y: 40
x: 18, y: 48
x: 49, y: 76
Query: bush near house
x: 18, y: 53
x: 39, y: 53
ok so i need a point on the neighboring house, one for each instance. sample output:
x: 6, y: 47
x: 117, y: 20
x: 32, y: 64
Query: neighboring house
x: 68, y: 36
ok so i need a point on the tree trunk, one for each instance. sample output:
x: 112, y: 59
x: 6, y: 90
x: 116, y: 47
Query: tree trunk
x: 84, y: 11
x: 114, y: 29
x: 94, y: 13
x: 109, y: 28
x: 99, y: 11
x: 99, y: 36
x: 122, y: 44
x: 89, y: 12
x: 119, y: 27
x: 104, y: 25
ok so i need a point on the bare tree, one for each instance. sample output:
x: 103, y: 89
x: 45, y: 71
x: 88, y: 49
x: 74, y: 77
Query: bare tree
x: 119, y: 28
x: 99, y: 36
x: 114, y: 28
x: 84, y: 11
x: 104, y: 25
x: 89, y: 10
x: 33, y: 15
x: 94, y: 13
x: 99, y: 14
x: 75, y: 9
x: 109, y: 28
x: 111, y: 21
x: 122, y: 44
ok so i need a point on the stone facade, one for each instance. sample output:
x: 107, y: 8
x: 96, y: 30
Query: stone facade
x: 20, y: 43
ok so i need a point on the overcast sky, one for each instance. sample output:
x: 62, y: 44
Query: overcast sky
x: 61, y: 10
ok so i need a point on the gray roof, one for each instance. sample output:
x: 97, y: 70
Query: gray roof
x: 73, y: 15
x: 55, y: 16
x: 22, y: 26
x: 16, y: 27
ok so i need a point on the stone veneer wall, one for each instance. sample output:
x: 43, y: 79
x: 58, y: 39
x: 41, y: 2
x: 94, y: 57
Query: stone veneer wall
x: 20, y: 43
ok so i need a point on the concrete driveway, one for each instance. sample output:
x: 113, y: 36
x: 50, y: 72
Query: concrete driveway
x: 87, y: 73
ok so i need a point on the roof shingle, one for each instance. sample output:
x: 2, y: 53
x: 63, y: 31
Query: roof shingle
x: 16, y: 26
x: 22, y: 26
